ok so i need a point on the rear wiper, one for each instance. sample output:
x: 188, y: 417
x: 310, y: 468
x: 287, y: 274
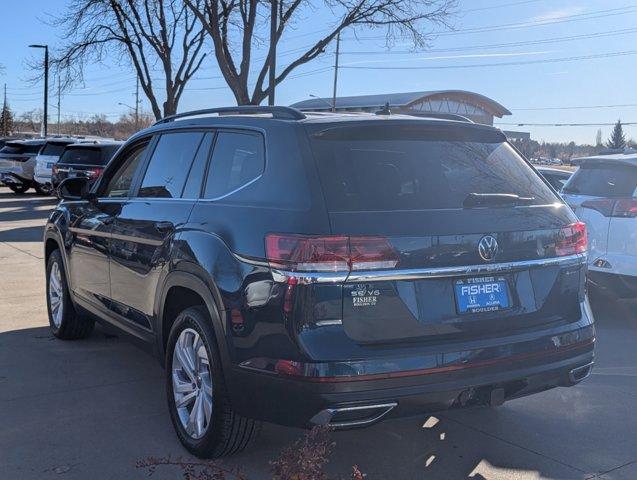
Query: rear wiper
x: 474, y: 200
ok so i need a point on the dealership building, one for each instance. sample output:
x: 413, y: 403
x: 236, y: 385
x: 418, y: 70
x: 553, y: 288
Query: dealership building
x: 473, y: 106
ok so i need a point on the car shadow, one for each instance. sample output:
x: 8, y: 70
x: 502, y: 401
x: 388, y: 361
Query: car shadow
x: 104, y: 395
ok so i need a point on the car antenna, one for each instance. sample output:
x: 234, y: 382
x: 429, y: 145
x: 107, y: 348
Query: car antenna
x: 384, y: 110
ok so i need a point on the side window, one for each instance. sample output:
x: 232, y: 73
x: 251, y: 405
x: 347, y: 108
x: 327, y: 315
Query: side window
x: 195, y: 177
x: 237, y: 159
x: 169, y: 165
x: 120, y: 183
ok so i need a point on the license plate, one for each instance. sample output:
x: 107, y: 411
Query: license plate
x: 50, y: 164
x: 484, y: 294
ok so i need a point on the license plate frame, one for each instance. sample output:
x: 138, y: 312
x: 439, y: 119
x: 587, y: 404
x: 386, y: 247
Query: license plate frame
x: 480, y: 295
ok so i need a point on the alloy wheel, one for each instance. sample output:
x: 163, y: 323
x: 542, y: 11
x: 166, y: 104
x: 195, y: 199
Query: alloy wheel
x: 192, y: 383
x: 56, y: 295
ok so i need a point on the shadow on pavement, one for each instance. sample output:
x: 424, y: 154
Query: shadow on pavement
x: 97, y: 406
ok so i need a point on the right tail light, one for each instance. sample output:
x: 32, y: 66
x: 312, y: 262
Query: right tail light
x: 613, y: 207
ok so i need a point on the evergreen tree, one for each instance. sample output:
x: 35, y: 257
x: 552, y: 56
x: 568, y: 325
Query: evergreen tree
x: 6, y: 120
x: 617, y: 139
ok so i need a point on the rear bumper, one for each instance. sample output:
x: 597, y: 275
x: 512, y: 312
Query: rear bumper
x: 43, y: 179
x: 478, y: 376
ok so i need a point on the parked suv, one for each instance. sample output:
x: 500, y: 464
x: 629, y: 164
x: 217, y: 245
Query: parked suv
x: 83, y: 160
x: 324, y: 269
x: 17, y: 162
x: 603, y: 194
x: 49, y: 156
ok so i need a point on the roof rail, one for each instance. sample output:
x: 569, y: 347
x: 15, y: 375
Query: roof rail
x: 279, y: 112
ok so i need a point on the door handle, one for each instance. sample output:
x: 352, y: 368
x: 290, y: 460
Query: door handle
x: 164, y: 227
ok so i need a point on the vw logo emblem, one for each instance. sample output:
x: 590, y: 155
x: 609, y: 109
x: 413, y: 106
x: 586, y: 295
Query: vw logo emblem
x: 488, y: 248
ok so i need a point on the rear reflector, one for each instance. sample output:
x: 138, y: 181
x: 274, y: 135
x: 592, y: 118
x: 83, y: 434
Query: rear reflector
x: 613, y: 207
x: 302, y: 253
x: 572, y: 239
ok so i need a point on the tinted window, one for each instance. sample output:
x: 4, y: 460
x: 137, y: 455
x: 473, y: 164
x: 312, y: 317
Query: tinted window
x: 81, y: 156
x: 604, y: 180
x: 120, y: 183
x: 555, y: 179
x: 237, y: 159
x: 20, y: 148
x: 169, y: 166
x: 53, y: 149
x: 410, y: 168
x: 195, y: 177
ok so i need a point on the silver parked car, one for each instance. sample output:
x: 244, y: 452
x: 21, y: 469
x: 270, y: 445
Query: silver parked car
x: 17, y: 165
x: 47, y: 158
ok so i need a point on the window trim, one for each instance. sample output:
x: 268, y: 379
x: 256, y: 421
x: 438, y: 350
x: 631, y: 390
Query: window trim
x: 245, y: 131
x: 115, y: 164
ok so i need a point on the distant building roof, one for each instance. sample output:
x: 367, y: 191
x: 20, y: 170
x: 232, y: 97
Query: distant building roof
x: 400, y: 100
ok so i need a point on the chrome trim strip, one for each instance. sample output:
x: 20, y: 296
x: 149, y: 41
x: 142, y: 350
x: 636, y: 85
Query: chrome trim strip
x: 416, y: 274
x: 89, y: 232
x: 423, y: 273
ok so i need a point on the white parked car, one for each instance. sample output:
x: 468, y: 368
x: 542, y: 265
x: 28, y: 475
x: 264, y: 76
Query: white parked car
x: 603, y: 194
x: 49, y: 156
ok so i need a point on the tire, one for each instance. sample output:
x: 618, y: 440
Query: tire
x: 223, y: 432
x: 42, y: 190
x: 66, y: 323
x: 19, y: 189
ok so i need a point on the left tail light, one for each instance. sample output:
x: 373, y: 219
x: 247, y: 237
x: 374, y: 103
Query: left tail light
x: 572, y: 239
x: 94, y: 172
x: 331, y: 253
x: 54, y: 169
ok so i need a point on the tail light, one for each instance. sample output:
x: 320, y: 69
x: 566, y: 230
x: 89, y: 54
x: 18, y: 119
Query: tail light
x: 572, y: 239
x: 54, y: 169
x: 613, y: 207
x: 94, y: 172
x: 332, y: 253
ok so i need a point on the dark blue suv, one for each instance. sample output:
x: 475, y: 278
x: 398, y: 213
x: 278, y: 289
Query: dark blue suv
x: 330, y: 269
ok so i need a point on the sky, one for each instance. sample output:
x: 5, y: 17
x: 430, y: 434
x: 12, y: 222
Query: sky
x: 547, y: 61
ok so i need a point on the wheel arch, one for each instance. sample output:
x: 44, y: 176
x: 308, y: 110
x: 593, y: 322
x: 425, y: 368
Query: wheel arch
x: 187, y: 284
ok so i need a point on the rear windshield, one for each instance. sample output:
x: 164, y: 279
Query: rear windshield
x: 87, y: 156
x: 53, y: 149
x: 415, y: 168
x: 20, y: 148
x: 603, y: 180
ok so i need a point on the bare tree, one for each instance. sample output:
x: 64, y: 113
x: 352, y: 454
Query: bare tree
x: 233, y: 26
x: 146, y: 33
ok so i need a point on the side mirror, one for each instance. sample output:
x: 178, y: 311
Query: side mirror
x: 75, y: 189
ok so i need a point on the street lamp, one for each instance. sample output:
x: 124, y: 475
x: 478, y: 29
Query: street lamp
x: 331, y: 105
x: 46, y: 85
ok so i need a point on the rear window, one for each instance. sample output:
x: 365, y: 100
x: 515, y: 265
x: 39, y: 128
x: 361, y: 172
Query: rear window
x: 603, y: 180
x: 84, y: 156
x: 20, y: 148
x: 419, y: 168
x: 53, y: 149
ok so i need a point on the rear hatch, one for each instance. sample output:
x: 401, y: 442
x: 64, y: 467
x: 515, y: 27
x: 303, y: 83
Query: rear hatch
x: 83, y: 161
x: 49, y: 156
x: 458, y: 232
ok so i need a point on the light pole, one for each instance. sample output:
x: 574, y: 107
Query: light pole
x: 134, y: 109
x: 46, y: 85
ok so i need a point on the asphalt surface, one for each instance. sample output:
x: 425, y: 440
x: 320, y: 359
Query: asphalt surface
x: 91, y: 409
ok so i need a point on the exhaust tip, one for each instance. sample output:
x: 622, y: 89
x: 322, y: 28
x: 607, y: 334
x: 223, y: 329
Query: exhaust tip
x: 352, y: 416
x: 578, y: 374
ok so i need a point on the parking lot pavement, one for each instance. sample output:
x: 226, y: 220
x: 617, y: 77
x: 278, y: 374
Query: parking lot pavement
x: 93, y: 408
